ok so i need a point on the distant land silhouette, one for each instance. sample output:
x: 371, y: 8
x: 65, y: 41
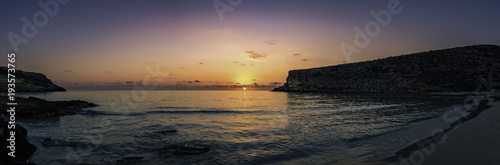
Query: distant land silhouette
x: 460, y: 69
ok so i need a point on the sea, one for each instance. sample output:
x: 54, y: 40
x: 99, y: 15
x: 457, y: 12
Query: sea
x: 235, y: 127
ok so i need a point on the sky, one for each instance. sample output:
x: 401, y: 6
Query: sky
x: 109, y: 44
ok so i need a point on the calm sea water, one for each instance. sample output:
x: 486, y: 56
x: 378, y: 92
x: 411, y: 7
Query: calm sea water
x: 238, y: 127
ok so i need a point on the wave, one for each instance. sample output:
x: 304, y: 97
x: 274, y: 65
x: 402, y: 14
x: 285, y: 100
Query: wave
x: 198, y: 111
x: 362, y: 107
x: 93, y: 112
x: 175, y: 108
x: 209, y: 111
x: 185, y: 110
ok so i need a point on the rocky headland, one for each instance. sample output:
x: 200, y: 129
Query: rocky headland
x: 460, y: 69
x: 29, y: 108
x: 28, y: 82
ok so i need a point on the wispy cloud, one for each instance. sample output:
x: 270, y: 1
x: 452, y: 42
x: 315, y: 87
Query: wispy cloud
x: 115, y: 83
x: 68, y: 71
x: 255, y: 56
x: 272, y: 42
x: 297, y: 54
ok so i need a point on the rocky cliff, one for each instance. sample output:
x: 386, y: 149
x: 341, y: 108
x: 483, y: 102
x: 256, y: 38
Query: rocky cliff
x: 28, y: 82
x: 448, y: 70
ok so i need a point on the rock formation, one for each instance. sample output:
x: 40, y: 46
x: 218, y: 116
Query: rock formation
x: 460, y: 69
x: 30, y: 108
x: 35, y: 108
x: 23, y: 148
x: 28, y: 82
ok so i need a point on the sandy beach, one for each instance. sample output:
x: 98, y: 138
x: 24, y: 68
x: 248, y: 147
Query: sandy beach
x: 476, y: 141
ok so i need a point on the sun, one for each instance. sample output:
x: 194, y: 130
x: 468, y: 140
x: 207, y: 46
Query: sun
x: 244, y: 88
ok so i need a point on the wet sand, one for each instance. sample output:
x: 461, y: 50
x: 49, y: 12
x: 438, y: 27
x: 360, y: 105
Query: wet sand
x: 475, y: 141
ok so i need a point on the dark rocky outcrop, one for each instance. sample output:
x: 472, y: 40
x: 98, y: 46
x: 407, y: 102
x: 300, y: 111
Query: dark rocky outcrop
x: 448, y: 70
x: 28, y: 82
x: 23, y: 150
x: 35, y: 108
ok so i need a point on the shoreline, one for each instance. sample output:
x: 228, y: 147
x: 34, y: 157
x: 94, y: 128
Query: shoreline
x: 420, y: 150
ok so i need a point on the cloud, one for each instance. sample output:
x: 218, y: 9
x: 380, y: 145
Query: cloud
x: 254, y: 80
x: 129, y: 82
x: 275, y: 83
x: 242, y: 64
x: 304, y: 59
x: 190, y: 82
x: 254, y: 55
x: 272, y: 42
x: 197, y: 81
x: 68, y: 71
x: 116, y: 83
x: 297, y: 54
x: 236, y: 62
x: 201, y: 62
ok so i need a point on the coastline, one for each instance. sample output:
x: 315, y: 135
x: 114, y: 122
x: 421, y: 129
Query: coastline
x: 29, y: 108
x: 476, y: 133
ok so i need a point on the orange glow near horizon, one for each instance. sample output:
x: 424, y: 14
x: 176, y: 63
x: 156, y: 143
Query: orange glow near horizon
x: 254, y: 46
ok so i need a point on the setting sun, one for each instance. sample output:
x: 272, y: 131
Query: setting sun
x: 166, y: 81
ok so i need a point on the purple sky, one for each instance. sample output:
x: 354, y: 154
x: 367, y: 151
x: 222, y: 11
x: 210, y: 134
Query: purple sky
x: 93, y: 42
